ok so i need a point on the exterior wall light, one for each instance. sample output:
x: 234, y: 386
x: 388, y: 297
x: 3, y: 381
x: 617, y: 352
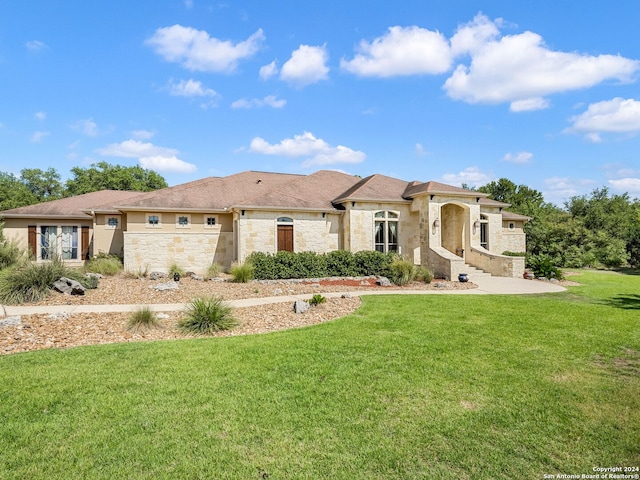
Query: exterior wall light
x: 435, y: 225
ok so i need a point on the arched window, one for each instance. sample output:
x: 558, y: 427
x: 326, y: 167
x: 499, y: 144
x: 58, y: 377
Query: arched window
x: 386, y: 231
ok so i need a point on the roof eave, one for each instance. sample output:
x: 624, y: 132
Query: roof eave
x: 46, y: 216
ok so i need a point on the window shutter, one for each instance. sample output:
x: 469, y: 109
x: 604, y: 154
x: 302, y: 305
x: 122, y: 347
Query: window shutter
x: 85, y: 243
x: 32, y: 239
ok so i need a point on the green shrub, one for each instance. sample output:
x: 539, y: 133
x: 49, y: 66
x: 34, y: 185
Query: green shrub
x: 206, y: 315
x: 317, y: 299
x: 31, y: 282
x: 514, y: 254
x: 371, y: 262
x: 104, y: 265
x: 175, y: 268
x: 424, y: 274
x: 341, y: 263
x: 214, y: 270
x: 142, y: 319
x: 89, y: 281
x: 543, y: 266
x: 402, y: 271
x: 242, y: 272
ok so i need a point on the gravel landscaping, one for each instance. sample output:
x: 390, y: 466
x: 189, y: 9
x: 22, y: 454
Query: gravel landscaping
x: 64, y: 330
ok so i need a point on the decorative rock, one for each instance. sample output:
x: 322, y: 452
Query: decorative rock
x: 68, y: 286
x: 157, y: 275
x: 300, y: 306
x: 58, y: 315
x: 383, y: 281
x: 161, y: 287
x: 277, y: 291
x: 440, y: 285
x: 95, y: 275
x: 554, y: 280
x: 345, y: 295
x: 199, y: 278
x: 11, y: 321
x: 162, y: 316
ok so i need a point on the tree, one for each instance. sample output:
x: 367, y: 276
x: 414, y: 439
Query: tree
x: 103, y: 176
x: 523, y: 200
x: 14, y: 193
x: 44, y: 185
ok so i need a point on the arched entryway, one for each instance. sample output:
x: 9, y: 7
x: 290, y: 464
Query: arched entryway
x: 453, y: 218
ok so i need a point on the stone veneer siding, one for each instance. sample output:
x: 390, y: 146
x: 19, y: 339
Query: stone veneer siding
x: 191, y: 251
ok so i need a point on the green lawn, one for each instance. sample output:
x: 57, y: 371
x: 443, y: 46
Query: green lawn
x: 432, y: 386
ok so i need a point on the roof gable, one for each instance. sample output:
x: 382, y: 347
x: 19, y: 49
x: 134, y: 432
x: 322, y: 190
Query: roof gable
x: 375, y: 188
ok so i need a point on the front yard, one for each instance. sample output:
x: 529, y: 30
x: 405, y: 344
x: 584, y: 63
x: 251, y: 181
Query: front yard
x: 432, y: 386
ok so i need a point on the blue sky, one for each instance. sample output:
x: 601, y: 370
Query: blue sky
x: 544, y: 93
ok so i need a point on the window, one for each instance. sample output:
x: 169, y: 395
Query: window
x: 113, y: 222
x: 211, y: 222
x: 512, y: 226
x: 386, y: 232
x: 153, y: 221
x: 61, y: 241
x: 484, y: 228
x: 183, y: 221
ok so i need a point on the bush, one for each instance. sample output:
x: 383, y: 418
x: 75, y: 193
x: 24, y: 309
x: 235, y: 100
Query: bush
x: 514, y: 254
x: 424, y: 274
x: 206, y: 315
x: 371, y: 262
x: 214, y: 270
x: 175, y: 268
x: 31, y: 282
x: 341, y: 263
x: 242, y: 272
x: 104, y: 265
x: 142, y: 319
x: 317, y: 299
x: 402, y: 271
x: 543, y: 266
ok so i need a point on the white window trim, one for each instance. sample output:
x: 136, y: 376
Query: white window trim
x: 385, y: 220
x: 215, y: 218
x: 58, y: 240
x: 187, y: 225
x: 146, y: 220
x: 118, y: 226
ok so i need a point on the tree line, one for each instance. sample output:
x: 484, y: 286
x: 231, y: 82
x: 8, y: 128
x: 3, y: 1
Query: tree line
x: 599, y: 230
x: 35, y: 185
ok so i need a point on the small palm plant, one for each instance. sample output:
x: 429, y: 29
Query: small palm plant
x: 142, y: 319
x: 207, y: 315
x: 317, y: 299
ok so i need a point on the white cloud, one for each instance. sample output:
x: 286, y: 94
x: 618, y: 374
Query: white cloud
x: 629, y: 185
x: 40, y: 116
x: 529, y: 104
x: 472, y: 36
x: 150, y: 156
x: 559, y: 189
x: 519, y: 158
x: 612, y: 116
x: 136, y: 149
x: 472, y: 176
x: 316, y: 150
x: 87, y: 127
x: 142, y: 134
x: 401, y: 51
x: 522, y: 70
x: 196, y: 50
x: 268, y: 71
x: 268, y: 101
x: 193, y: 89
x: 35, y: 46
x: 420, y: 151
x: 307, y: 65
x: 37, y: 137
x: 167, y: 164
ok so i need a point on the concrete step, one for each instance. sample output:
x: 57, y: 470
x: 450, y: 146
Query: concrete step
x: 475, y: 272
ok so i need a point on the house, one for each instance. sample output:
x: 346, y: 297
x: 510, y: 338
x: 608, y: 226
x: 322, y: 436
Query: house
x: 225, y: 219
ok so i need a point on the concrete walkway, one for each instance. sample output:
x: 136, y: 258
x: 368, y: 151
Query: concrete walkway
x: 486, y: 286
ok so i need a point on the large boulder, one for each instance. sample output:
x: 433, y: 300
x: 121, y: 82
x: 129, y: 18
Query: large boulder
x: 161, y: 287
x: 300, y: 306
x: 69, y: 287
x: 11, y: 321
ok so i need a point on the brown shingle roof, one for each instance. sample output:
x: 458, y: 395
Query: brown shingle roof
x: 440, y: 188
x: 514, y: 216
x: 375, y: 188
x: 71, y: 207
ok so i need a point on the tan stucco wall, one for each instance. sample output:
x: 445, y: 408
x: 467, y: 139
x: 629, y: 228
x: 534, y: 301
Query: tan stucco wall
x: 106, y: 239
x: 137, y: 222
x: 17, y: 230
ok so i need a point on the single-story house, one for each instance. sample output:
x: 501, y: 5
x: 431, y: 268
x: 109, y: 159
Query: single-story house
x: 225, y: 219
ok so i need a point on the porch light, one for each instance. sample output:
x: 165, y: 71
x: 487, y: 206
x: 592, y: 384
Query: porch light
x: 476, y: 225
x: 435, y: 226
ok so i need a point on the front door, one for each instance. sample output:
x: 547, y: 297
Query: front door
x: 285, y: 238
